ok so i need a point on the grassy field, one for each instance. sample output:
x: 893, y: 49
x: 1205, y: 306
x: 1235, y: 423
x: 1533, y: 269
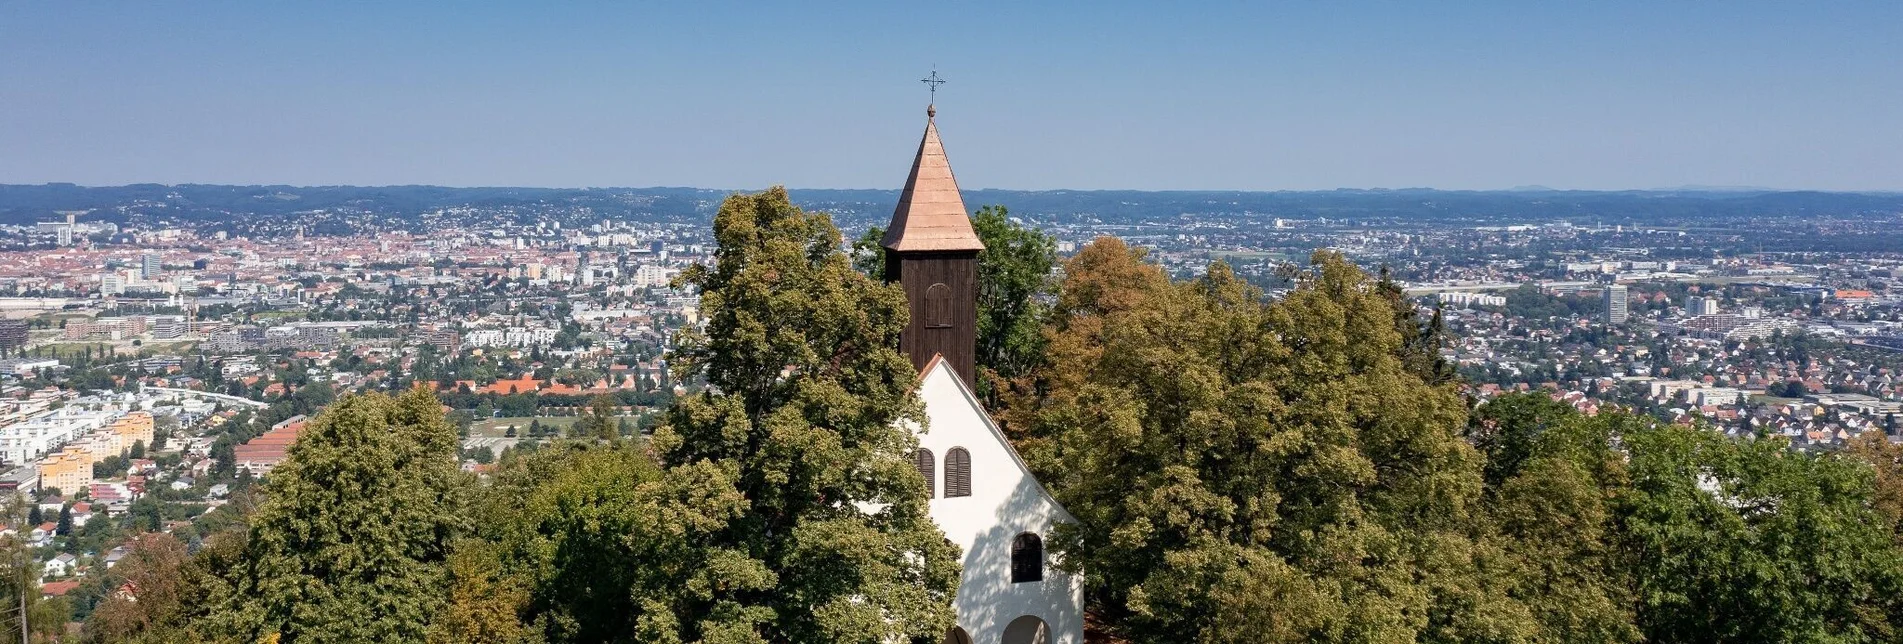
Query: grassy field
x: 67, y: 350
x: 175, y: 347
x: 496, y: 427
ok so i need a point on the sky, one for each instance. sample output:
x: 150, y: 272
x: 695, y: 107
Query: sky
x: 1297, y: 95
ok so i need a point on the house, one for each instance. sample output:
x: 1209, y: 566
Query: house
x: 983, y: 497
x: 60, y: 566
x: 53, y: 589
x: 42, y: 534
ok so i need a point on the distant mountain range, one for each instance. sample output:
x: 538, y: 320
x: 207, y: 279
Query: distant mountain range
x: 197, y: 203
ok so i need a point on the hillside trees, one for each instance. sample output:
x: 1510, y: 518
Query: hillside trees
x: 1274, y: 465
x: 802, y: 418
x: 350, y: 540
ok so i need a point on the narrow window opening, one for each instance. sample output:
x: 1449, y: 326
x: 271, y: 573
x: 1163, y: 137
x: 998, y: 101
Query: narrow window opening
x: 957, y: 472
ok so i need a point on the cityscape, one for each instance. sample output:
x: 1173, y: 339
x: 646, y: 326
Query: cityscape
x: 547, y: 325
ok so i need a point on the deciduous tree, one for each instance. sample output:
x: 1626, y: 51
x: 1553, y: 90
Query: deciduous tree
x: 349, y: 542
x: 806, y: 417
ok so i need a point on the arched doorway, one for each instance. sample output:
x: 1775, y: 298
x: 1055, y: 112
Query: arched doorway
x: 1027, y: 630
x: 957, y: 636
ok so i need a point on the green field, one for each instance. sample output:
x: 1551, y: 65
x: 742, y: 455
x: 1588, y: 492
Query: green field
x: 71, y: 349
x: 175, y: 347
x: 496, y: 427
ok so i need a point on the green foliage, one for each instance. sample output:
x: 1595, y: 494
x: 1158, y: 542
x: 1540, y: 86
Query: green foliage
x: 868, y: 253
x: 802, y: 420
x: 1014, y: 277
x: 1748, y: 541
x: 598, y: 422
x: 604, y: 545
x: 1507, y: 429
x: 1232, y: 461
x: 167, y: 584
x: 350, y: 540
x: 1625, y: 529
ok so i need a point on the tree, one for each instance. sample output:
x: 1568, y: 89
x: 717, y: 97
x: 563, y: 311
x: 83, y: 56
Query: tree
x: 599, y: 421
x: 1555, y: 482
x: 19, y: 570
x: 1014, y: 277
x: 1712, y: 524
x: 1507, y: 429
x: 868, y: 253
x: 1252, y: 471
x: 65, y: 525
x: 350, y: 540
x: 803, y: 418
x: 138, y: 450
x: 149, y: 593
x: 162, y: 428
x: 1420, y: 341
x: 484, y: 604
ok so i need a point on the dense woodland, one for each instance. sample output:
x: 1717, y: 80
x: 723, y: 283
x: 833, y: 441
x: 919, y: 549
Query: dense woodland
x: 1244, y: 469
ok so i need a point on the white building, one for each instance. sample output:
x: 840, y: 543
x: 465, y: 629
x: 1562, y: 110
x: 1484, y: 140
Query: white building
x: 1462, y: 298
x: 510, y: 337
x: 653, y: 276
x: 985, y: 500
x: 28, y: 440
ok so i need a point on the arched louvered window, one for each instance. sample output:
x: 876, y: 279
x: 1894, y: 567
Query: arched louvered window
x: 957, y: 472
x: 1027, y: 558
x: 938, y: 314
x: 928, y: 468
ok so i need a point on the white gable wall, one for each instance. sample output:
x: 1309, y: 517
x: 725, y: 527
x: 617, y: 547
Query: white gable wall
x: 1005, y: 501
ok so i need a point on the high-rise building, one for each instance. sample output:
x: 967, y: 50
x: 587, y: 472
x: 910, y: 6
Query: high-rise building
x: 1701, y: 306
x: 112, y: 284
x: 12, y: 334
x: 1615, y: 299
x: 149, y: 266
x: 168, y: 326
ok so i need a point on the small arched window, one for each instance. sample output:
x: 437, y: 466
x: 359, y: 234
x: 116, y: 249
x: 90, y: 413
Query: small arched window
x: 922, y: 459
x: 938, y: 313
x: 957, y: 472
x: 1027, y: 558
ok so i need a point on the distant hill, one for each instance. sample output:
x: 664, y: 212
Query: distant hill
x: 197, y: 203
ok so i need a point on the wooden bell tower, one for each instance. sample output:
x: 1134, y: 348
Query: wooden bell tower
x: 932, y: 252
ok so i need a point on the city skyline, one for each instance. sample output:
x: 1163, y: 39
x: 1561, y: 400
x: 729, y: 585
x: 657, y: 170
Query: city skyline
x: 1476, y: 96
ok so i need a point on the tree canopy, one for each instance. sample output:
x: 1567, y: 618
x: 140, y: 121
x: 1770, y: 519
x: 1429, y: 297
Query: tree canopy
x: 806, y: 417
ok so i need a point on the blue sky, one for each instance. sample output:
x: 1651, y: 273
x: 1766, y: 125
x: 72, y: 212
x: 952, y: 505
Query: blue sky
x: 1256, y: 95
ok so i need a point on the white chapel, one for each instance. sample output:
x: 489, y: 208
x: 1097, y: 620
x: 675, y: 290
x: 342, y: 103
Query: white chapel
x: 982, y: 495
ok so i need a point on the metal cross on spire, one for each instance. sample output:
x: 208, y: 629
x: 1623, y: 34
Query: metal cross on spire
x: 932, y: 81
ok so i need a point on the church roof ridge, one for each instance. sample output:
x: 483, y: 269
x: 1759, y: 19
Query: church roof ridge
x: 931, y: 214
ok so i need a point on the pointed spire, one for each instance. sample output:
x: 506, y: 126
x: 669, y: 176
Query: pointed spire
x: 931, y: 215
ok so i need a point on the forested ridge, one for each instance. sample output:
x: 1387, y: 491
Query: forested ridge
x: 1243, y: 469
